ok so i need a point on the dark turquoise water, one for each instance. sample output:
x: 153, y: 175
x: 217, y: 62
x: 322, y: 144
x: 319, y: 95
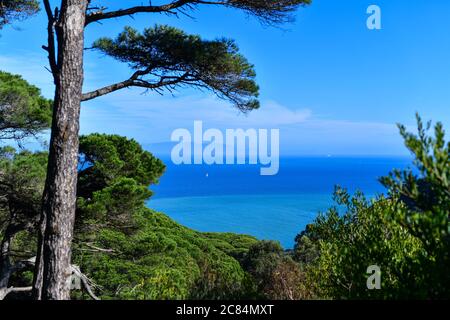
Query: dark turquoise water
x: 235, y: 198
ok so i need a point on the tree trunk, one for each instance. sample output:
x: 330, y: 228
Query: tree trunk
x: 6, y: 267
x: 5, y: 263
x: 52, y: 274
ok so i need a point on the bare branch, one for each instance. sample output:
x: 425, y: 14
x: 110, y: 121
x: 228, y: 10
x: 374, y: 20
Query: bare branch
x: 94, y: 248
x: 87, y: 283
x: 269, y: 11
x: 50, y: 48
x: 134, y: 81
x: 167, y: 8
x: 5, y: 291
x: 106, y: 90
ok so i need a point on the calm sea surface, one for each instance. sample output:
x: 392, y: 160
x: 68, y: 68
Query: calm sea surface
x: 235, y: 198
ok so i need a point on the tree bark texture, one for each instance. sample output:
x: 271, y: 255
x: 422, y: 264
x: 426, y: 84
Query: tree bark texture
x: 52, y: 274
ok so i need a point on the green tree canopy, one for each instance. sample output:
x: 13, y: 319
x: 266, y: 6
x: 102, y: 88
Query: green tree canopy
x: 426, y: 193
x: 227, y: 74
x: 166, y: 56
x: 425, y: 190
x: 406, y: 234
x: 104, y: 158
x: 11, y: 10
x: 350, y: 238
x: 128, y: 250
x: 115, y: 173
x: 23, y: 111
x: 22, y: 177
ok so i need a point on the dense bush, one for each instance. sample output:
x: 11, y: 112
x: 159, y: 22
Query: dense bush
x: 164, y: 260
x: 127, y: 250
x: 23, y: 111
x: 406, y: 234
x: 131, y: 252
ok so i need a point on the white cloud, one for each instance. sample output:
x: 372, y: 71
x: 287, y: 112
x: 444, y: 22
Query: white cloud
x: 151, y: 118
x: 202, y: 107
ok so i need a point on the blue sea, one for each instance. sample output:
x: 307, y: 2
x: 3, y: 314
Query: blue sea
x: 236, y: 198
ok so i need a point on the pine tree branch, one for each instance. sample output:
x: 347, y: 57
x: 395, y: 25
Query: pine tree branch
x: 166, y: 8
x: 135, y: 81
x: 269, y: 11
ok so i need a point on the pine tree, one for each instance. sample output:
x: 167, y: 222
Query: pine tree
x: 162, y: 58
x: 11, y: 10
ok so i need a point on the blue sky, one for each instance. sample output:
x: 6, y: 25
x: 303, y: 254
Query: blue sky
x: 327, y: 82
